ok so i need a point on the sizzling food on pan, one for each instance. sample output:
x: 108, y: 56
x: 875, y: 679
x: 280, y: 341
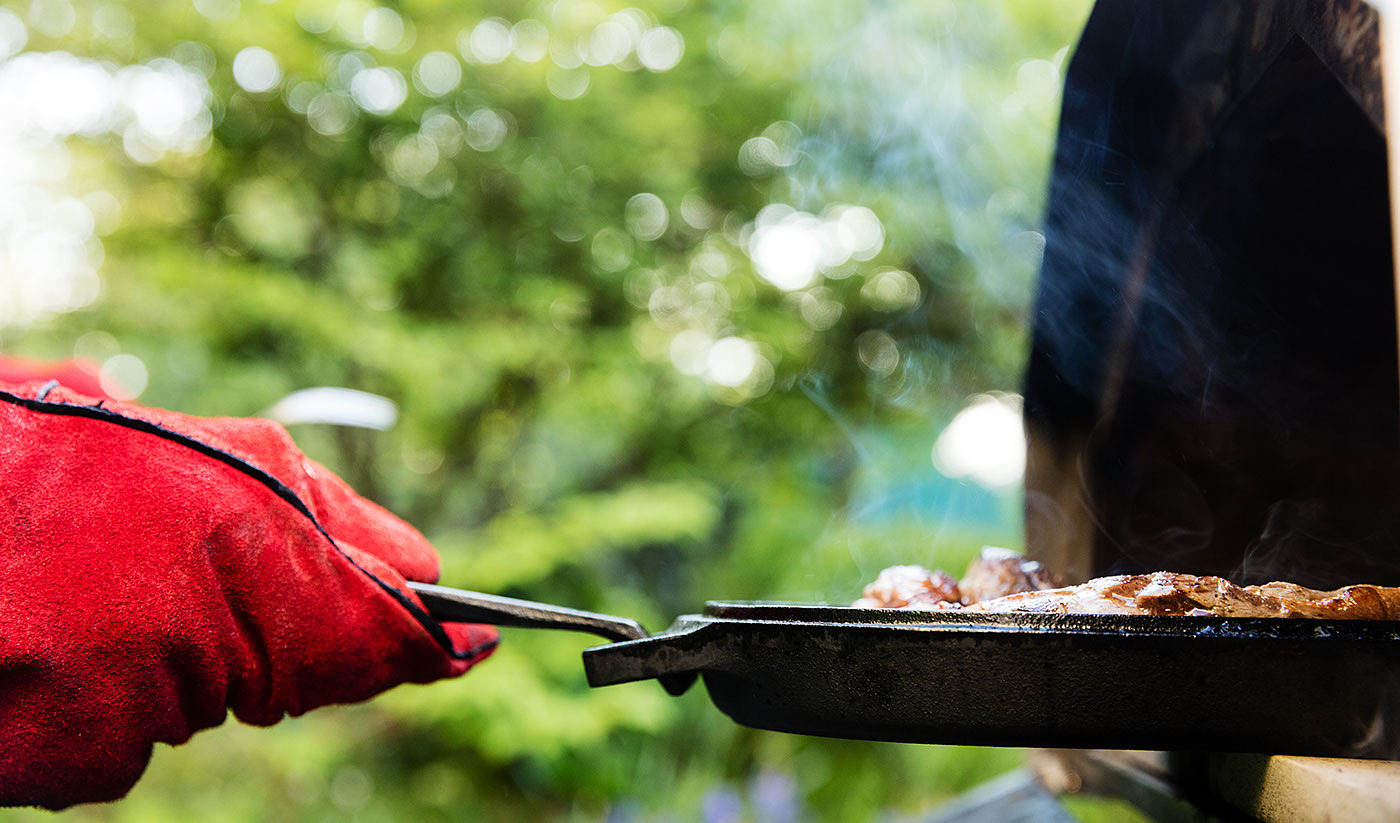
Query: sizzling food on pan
x: 995, y: 573
x: 1002, y: 581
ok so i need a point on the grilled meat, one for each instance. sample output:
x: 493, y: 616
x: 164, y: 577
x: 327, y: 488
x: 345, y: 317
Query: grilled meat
x: 999, y: 572
x: 1002, y: 581
x: 995, y: 573
x: 912, y: 587
x: 1168, y: 593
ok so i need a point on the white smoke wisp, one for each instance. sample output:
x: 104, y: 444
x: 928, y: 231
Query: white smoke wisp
x: 943, y: 111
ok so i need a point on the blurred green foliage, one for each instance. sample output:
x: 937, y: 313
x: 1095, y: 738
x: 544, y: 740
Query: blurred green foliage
x: 481, y: 257
x: 1093, y: 809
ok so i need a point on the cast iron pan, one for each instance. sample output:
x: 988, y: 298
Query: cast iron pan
x: 1285, y: 686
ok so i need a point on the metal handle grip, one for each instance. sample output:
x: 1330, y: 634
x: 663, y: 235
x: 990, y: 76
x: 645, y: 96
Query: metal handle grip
x: 458, y: 606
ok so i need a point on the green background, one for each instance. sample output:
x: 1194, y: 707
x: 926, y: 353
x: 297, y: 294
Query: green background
x: 488, y: 276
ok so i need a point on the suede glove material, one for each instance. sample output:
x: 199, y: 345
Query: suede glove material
x: 159, y: 570
x: 79, y: 375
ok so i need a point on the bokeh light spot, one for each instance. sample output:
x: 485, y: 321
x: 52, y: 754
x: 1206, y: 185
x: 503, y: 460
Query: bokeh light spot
x: 331, y: 113
x: 488, y: 42
x: 759, y: 156
x: 123, y: 376
x: 530, y: 41
x: 877, y: 352
x: 609, y: 43
x: 169, y: 103
x: 787, y: 252
x: 611, y: 249
x: 985, y: 442
x: 486, y: 130
x: 690, y: 350
x: 661, y: 49
x: 437, y: 73
x: 445, y: 130
x: 731, y: 360
x: 383, y: 28
x: 299, y: 96
x: 412, y: 159
x: 106, y: 211
x: 646, y: 216
x: 819, y: 310
x: 378, y: 90
x: 891, y: 290
x: 864, y: 230
x: 568, y: 84
x: 218, y: 9
x: 13, y: 34
x: 97, y: 346
x: 52, y: 18
x: 697, y: 212
x: 256, y: 69
x: 195, y: 56
x: 112, y: 22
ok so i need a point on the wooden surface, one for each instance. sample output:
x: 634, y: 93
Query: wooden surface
x: 1390, y: 70
x: 1224, y: 788
x: 1282, y: 789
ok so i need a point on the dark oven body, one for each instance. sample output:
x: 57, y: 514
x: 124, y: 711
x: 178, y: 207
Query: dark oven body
x: 1213, y: 381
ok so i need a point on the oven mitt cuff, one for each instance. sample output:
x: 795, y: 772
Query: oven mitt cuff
x: 159, y: 570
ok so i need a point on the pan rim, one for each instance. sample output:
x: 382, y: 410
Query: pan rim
x: 818, y: 614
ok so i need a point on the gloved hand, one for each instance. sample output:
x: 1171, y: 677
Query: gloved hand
x: 79, y: 375
x: 159, y: 570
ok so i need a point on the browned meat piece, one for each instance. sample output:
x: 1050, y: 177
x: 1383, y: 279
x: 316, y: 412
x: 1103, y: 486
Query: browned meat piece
x: 995, y: 573
x: 1167, y: 593
x: 911, y: 587
x: 999, y: 572
x: 1003, y: 581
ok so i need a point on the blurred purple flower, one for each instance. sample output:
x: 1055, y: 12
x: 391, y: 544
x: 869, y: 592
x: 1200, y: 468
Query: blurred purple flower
x: 721, y: 805
x: 774, y: 797
x: 624, y: 811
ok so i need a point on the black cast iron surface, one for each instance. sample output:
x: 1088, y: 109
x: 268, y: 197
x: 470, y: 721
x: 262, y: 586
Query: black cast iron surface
x: 1318, y: 687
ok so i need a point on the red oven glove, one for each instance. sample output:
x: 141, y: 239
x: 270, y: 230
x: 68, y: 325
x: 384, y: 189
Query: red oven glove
x: 159, y: 570
x: 78, y: 375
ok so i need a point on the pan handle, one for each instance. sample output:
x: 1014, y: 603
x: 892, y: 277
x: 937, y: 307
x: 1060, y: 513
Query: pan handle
x: 458, y: 606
